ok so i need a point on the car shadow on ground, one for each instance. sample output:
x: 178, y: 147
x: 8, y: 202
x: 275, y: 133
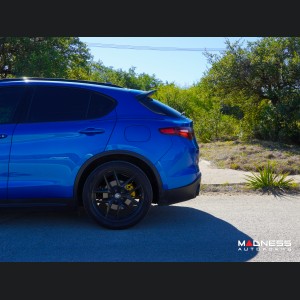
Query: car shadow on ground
x: 191, y: 235
x: 167, y: 234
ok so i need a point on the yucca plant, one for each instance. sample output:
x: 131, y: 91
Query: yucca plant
x: 267, y: 179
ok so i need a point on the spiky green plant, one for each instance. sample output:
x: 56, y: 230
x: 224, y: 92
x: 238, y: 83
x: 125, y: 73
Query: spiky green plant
x: 267, y: 179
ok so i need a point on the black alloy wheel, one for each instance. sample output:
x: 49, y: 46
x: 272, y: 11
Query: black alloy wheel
x: 117, y: 195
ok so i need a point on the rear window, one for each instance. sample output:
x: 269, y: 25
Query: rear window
x: 160, y: 108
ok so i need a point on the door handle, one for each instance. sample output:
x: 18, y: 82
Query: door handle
x: 92, y: 131
x: 3, y: 135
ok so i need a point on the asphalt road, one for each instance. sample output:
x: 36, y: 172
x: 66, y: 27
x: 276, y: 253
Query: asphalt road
x: 205, y: 229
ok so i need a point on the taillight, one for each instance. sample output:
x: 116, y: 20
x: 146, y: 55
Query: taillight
x: 186, y: 132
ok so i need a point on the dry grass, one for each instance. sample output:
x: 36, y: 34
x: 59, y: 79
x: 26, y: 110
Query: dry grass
x: 242, y: 188
x: 253, y: 156
x: 226, y: 189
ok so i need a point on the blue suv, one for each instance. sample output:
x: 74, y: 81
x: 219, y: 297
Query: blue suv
x: 113, y: 150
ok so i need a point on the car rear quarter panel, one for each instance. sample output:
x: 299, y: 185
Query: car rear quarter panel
x: 148, y: 141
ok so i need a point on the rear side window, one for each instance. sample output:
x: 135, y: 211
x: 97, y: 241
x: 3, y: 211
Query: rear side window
x: 160, y: 108
x: 55, y: 104
x: 10, y: 97
x: 100, y: 105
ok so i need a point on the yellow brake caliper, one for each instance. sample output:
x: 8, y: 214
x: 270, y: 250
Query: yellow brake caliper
x: 129, y: 187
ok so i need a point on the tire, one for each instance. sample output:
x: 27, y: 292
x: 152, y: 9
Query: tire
x: 117, y: 195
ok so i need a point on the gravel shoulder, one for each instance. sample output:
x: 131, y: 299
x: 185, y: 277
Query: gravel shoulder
x: 214, y: 175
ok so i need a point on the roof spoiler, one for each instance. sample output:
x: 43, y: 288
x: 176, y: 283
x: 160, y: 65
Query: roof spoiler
x: 145, y: 94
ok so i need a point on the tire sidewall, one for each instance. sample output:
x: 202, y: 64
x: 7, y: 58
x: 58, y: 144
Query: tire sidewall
x: 93, y: 179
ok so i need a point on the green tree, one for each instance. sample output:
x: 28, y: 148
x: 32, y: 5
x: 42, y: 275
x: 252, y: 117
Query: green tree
x: 128, y: 79
x: 65, y: 57
x: 263, y: 76
x: 197, y: 104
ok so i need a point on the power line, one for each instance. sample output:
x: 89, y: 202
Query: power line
x: 132, y: 47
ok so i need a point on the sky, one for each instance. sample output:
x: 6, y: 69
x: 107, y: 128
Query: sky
x: 181, y: 67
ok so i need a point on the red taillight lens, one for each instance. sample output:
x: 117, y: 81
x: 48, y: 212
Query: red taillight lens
x: 186, y: 132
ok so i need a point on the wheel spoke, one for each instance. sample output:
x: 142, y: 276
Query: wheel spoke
x: 136, y: 188
x: 118, y: 210
x: 107, y: 183
x: 108, y: 207
x: 116, y: 177
x: 127, y: 181
x: 104, y: 201
x: 132, y: 199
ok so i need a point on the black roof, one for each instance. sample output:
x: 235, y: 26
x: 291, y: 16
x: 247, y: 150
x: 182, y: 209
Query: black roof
x: 61, y: 79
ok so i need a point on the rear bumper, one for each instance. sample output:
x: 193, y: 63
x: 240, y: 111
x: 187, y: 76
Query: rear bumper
x: 181, y: 194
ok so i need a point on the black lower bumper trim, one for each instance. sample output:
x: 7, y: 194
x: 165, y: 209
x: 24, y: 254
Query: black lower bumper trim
x: 181, y: 194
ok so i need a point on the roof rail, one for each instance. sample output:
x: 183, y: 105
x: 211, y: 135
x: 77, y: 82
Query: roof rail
x: 61, y: 79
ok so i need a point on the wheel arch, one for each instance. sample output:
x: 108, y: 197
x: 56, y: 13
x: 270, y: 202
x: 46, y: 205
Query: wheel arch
x: 143, y: 163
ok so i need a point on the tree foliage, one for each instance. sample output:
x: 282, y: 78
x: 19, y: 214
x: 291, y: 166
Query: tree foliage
x: 130, y: 79
x: 264, y: 76
x: 58, y: 57
x: 196, y: 103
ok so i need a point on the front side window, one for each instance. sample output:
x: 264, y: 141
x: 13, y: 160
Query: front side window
x: 10, y: 97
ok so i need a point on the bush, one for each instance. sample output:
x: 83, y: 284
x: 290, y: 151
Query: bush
x: 267, y: 180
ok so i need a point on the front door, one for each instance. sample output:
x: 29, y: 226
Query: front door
x: 10, y: 98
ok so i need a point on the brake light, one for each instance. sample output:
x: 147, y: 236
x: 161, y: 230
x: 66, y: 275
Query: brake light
x: 186, y: 132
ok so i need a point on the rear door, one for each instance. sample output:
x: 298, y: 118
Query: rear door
x: 10, y: 98
x: 64, y: 127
